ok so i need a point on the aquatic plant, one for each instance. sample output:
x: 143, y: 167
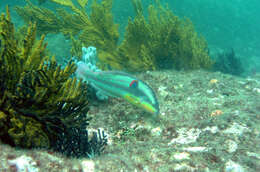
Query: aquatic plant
x: 228, y: 62
x: 39, y: 101
x: 78, y: 143
x: 47, y: 21
x: 95, y: 29
x: 162, y: 40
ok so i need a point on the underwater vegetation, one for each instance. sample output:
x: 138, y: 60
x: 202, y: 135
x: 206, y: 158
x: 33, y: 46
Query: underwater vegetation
x: 96, y: 29
x: 163, y: 40
x: 159, y: 41
x: 41, y: 105
x: 228, y: 62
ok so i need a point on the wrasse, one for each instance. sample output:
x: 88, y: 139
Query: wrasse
x: 120, y: 84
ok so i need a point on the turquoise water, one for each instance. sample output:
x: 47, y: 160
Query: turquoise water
x: 233, y: 23
x: 208, y: 120
x: 225, y: 24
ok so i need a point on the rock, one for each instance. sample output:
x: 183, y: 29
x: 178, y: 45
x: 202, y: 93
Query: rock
x: 181, y: 156
x: 186, y: 136
x: 156, y: 131
x: 88, y: 166
x: 24, y: 164
x: 231, y: 166
x: 236, y: 129
x: 196, y: 149
x: 231, y: 146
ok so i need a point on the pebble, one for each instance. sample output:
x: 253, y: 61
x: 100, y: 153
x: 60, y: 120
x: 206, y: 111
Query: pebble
x: 24, y: 164
x: 231, y: 166
x: 181, y: 156
x: 231, y: 146
x: 88, y: 166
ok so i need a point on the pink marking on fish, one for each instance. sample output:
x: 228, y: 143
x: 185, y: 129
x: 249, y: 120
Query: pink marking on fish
x: 133, y: 83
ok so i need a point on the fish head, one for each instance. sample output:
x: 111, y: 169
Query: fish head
x: 143, y: 103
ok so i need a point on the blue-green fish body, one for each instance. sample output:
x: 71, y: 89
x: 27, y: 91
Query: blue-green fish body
x: 120, y: 84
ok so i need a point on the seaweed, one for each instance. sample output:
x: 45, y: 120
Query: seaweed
x: 48, y: 21
x: 94, y: 29
x: 76, y: 143
x: 160, y: 41
x: 228, y: 62
x: 39, y: 100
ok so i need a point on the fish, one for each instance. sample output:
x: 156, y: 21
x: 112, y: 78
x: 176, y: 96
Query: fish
x: 121, y: 85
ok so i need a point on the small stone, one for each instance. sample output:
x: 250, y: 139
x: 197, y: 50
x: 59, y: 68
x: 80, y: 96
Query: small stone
x: 196, y: 149
x: 256, y: 90
x: 24, y: 163
x: 181, y: 156
x: 209, y: 91
x: 231, y: 146
x: 252, y: 154
x: 186, y: 136
x: 213, y: 129
x: 231, y: 166
x: 88, y: 166
x: 156, y: 131
x: 236, y: 129
x: 183, y: 167
x: 162, y: 91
